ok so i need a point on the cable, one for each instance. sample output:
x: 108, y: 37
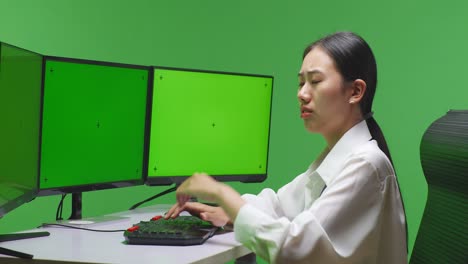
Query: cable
x: 58, y: 215
x: 154, y: 197
x: 81, y: 228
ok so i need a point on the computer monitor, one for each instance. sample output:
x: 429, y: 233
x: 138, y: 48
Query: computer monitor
x: 93, y: 125
x: 207, y: 121
x: 20, y: 108
x: 20, y: 105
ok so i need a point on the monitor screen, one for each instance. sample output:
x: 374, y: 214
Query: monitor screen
x: 20, y: 108
x: 93, y: 127
x: 213, y: 122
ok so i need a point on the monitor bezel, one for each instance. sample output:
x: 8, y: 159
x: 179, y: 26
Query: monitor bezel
x: 177, y: 180
x: 101, y: 185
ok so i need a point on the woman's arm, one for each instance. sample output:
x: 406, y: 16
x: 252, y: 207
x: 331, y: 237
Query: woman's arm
x: 267, y: 201
x: 339, y: 227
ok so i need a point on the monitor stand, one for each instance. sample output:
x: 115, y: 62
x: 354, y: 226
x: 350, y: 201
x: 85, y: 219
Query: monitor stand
x: 9, y: 252
x: 76, y: 209
x: 11, y: 237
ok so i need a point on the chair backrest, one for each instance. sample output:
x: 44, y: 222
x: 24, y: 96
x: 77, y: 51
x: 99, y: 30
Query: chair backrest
x: 443, y: 233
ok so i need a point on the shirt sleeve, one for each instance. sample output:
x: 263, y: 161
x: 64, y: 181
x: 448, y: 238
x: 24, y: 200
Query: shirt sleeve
x: 272, y: 203
x: 266, y: 201
x: 339, y: 227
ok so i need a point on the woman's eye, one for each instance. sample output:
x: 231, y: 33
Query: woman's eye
x: 301, y: 84
x: 314, y: 81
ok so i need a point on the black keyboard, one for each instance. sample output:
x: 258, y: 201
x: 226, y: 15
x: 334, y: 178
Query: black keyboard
x: 181, y: 231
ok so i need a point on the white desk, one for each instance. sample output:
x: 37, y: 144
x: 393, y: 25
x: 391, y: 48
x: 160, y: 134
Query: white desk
x: 73, y: 245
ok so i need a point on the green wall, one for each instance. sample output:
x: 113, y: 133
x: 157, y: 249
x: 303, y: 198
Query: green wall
x: 420, y: 49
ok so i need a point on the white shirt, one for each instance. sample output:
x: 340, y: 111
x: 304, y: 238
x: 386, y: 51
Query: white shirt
x: 358, y: 218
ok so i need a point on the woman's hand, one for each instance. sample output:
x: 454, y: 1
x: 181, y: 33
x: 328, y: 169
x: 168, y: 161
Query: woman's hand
x: 215, y: 215
x: 201, y: 186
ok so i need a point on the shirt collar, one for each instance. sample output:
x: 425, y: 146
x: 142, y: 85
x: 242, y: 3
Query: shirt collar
x: 331, y: 164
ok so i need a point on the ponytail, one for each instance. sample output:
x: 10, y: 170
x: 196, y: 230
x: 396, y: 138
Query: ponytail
x: 378, y: 135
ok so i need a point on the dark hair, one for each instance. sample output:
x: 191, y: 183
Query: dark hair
x: 354, y: 60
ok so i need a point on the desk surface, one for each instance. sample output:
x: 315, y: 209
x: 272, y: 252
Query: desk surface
x: 74, y: 245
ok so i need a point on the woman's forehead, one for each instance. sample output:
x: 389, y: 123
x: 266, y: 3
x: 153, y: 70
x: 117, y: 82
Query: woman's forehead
x: 317, y: 60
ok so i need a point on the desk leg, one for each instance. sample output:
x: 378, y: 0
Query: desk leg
x: 247, y: 259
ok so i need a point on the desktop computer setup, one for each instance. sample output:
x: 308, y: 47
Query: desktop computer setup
x: 80, y: 125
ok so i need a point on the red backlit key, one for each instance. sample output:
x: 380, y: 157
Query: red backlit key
x: 133, y: 228
x: 156, y: 218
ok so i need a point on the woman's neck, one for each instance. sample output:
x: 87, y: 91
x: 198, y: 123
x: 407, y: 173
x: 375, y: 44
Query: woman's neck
x: 333, y: 137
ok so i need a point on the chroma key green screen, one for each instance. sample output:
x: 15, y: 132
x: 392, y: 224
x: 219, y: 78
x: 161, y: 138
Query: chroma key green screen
x: 211, y: 122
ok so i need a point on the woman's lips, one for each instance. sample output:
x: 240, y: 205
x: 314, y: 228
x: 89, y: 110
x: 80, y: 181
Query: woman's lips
x: 305, y: 112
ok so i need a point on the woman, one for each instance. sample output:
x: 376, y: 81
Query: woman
x: 346, y: 208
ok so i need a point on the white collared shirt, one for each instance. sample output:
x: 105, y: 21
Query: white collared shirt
x: 358, y: 218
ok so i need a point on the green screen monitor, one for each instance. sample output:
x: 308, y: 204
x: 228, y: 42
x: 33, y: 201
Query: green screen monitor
x: 20, y: 119
x: 93, y: 125
x: 213, y: 122
x: 20, y: 111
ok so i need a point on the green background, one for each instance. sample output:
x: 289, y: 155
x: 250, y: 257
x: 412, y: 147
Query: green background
x: 420, y: 46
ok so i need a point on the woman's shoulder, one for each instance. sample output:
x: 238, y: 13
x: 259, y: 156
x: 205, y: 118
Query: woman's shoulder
x: 372, y: 155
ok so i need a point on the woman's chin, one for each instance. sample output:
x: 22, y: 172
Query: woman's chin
x: 312, y: 128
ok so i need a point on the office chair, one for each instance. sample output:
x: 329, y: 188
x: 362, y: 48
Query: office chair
x: 443, y: 233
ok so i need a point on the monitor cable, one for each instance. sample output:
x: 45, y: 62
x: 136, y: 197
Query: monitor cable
x: 58, y: 215
x: 154, y: 197
x: 80, y: 228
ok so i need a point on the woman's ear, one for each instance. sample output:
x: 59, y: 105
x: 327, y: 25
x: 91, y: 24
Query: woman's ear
x: 358, y: 88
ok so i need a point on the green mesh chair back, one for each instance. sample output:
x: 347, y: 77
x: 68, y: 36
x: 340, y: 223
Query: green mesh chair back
x: 443, y: 233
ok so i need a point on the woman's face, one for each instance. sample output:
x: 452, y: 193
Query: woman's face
x: 324, y: 99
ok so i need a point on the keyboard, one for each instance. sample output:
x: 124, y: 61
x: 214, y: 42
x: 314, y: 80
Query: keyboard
x: 181, y: 231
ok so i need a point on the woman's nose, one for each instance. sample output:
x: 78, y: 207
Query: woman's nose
x: 303, y: 96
